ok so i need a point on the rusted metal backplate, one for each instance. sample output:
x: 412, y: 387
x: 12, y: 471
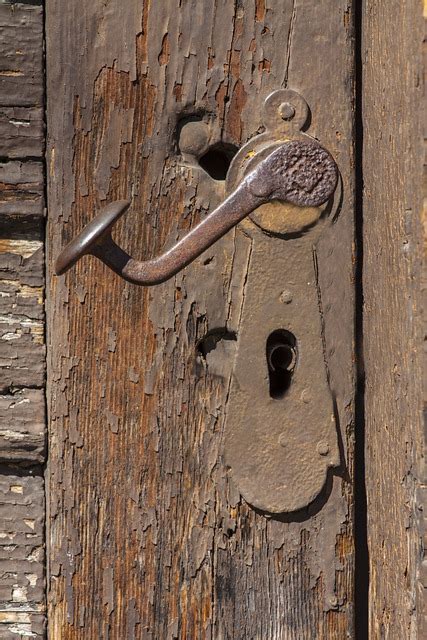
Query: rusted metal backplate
x: 279, y: 446
x: 279, y: 450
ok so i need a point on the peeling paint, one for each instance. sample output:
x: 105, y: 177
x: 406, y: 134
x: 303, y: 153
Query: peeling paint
x: 146, y: 514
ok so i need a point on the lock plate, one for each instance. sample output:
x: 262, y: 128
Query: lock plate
x: 281, y: 433
x: 279, y: 449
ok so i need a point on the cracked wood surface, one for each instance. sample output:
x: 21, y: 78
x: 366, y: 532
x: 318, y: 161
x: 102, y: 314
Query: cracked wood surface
x: 21, y: 72
x: 22, y: 581
x: 392, y: 236
x: 422, y: 489
x: 22, y: 348
x: 147, y: 537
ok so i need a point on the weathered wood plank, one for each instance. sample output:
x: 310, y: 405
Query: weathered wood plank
x: 21, y: 262
x: 422, y: 491
x: 22, y: 350
x: 22, y: 355
x: 421, y: 594
x: 174, y: 551
x: 21, y: 555
x: 21, y: 132
x: 392, y: 236
x: 22, y: 426
x: 21, y: 46
x: 21, y: 190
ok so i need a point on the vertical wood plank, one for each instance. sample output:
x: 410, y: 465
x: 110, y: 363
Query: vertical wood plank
x: 22, y: 554
x: 392, y: 93
x: 422, y: 490
x: 22, y: 325
x: 173, y: 551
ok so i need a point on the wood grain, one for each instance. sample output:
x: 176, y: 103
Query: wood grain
x: 23, y: 426
x: 173, y: 551
x: 421, y: 495
x: 22, y: 327
x: 22, y: 508
x: 22, y: 360
x: 21, y: 43
x: 392, y: 306
x: 22, y: 132
x: 21, y: 196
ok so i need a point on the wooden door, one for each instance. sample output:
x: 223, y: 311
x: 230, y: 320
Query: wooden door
x: 146, y: 533
x: 148, y: 538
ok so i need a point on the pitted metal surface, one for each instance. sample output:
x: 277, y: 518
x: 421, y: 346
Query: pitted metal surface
x: 299, y: 172
x: 279, y: 448
x: 280, y: 433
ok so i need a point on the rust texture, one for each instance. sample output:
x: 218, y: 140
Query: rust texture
x: 281, y: 443
x: 279, y: 450
x: 22, y: 325
x: 147, y: 536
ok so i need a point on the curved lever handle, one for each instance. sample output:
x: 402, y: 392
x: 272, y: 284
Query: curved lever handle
x: 297, y: 171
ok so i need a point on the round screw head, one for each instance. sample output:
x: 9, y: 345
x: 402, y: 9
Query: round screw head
x: 306, y: 396
x: 286, y: 297
x: 283, y: 439
x: 323, y: 448
x: 286, y: 111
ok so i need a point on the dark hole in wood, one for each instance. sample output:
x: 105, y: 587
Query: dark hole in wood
x: 216, y: 161
x: 211, y: 339
x: 281, y: 352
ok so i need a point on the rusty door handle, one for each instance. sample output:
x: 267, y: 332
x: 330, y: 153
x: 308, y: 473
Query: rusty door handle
x: 300, y: 172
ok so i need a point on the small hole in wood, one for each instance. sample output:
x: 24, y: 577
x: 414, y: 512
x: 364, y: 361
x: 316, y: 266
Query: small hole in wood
x: 281, y: 353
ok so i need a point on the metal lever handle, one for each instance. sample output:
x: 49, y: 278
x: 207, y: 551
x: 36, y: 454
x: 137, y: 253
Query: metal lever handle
x: 299, y: 172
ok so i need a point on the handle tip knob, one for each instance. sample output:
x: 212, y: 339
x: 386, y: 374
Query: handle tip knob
x: 92, y: 234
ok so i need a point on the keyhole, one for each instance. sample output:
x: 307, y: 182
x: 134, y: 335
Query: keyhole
x: 281, y: 352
